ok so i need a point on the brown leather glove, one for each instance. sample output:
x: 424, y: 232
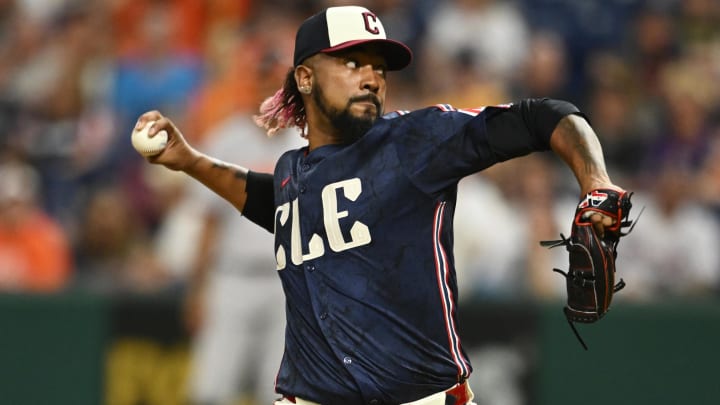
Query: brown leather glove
x: 590, y: 278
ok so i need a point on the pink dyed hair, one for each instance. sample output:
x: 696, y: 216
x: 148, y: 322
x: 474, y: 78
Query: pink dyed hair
x: 284, y: 109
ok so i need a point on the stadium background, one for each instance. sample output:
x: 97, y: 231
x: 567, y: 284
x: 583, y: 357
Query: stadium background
x: 96, y: 319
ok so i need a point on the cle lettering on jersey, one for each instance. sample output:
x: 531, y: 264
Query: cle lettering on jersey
x: 359, y: 232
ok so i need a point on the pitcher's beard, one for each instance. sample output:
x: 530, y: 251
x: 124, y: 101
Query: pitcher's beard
x: 350, y: 128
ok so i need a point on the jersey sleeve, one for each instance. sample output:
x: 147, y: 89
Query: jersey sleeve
x: 260, y: 204
x: 440, y: 145
x: 526, y: 126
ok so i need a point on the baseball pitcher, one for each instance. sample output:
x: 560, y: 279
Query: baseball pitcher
x: 363, y: 214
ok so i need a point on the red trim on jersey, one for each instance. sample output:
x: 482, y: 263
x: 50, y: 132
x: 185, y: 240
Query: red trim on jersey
x: 446, y: 296
x: 444, y: 107
x: 470, y: 111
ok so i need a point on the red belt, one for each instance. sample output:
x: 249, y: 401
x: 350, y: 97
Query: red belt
x: 459, y: 393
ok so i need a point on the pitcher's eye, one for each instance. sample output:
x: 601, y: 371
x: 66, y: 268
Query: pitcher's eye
x: 351, y: 63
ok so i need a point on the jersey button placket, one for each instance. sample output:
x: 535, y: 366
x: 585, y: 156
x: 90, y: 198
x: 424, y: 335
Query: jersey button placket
x: 347, y: 360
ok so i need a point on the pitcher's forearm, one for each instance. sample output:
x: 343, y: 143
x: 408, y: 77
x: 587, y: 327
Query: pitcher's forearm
x: 576, y: 143
x: 225, y: 179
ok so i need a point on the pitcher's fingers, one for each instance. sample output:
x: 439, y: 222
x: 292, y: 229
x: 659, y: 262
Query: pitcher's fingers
x: 162, y: 123
x: 600, y: 222
x: 146, y: 117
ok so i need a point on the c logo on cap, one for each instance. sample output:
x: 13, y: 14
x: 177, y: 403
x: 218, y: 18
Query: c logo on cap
x: 371, y: 26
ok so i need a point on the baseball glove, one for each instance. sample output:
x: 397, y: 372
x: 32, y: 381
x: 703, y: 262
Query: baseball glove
x: 590, y: 279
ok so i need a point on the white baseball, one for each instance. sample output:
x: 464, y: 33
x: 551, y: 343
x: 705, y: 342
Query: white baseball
x: 146, y: 145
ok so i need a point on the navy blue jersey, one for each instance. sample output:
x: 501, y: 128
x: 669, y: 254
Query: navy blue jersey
x: 364, y: 241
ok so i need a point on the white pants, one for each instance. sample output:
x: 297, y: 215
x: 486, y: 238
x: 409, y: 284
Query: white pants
x: 434, y: 399
x: 244, y: 322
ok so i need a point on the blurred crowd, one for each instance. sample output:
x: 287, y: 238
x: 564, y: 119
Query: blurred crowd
x: 81, y: 210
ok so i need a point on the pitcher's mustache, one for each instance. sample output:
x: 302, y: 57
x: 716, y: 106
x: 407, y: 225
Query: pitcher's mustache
x: 366, y: 97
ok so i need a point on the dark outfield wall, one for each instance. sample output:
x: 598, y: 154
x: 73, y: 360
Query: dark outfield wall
x: 86, y: 350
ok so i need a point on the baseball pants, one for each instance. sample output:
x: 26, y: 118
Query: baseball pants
x: 242, y: 339
x: 462, y: 394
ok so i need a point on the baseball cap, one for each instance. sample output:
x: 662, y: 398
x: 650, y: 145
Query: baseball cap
x: 337, y: 28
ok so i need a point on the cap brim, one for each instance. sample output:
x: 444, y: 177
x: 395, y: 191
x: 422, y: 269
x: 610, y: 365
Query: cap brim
x: 397, y: 55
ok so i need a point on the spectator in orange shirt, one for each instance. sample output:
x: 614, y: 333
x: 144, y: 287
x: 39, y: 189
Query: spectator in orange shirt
x: 34, y: 249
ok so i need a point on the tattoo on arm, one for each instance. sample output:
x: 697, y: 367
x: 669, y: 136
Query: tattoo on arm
x: 239, y: 174
x: 579, y: 142
x: 578, y: 145
x: 217, y: 164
